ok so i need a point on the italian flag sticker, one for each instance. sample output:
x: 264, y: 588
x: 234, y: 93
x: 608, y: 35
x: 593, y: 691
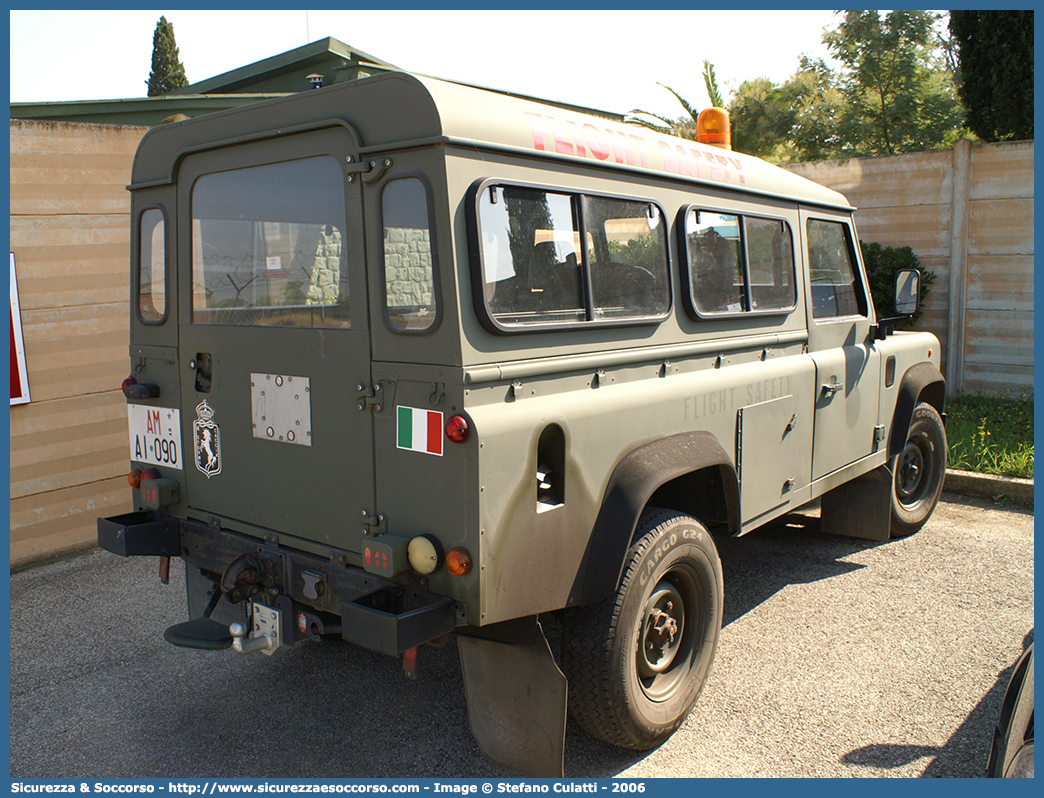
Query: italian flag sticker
x: 419, y: 430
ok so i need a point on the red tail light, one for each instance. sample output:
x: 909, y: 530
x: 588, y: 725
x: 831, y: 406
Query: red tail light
x: 457, y: 429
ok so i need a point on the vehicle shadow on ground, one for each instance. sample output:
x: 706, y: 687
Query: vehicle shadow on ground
x: 952, y: 760
x: 790, y: 550
x: 787, y: 551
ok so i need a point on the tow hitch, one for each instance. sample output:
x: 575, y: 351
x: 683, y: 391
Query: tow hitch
x: 265, y: 635
x: 246, y: 576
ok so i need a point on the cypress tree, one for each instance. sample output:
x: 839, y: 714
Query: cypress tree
x: 995, y: 59
x: 168, y: 73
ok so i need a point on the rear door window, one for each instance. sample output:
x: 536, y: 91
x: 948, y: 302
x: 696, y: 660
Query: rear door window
x: 267, y: 246
x: 409, y: 267
x: 152, y: 266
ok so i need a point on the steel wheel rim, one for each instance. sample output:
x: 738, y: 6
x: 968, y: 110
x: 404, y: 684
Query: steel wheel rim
x: 663, y: 659
x: 915, y: 463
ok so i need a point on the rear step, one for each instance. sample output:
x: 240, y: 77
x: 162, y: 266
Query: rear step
x: 202, y: 632
x: 199, y: 633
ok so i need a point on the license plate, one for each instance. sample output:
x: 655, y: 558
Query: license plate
x: 155, y: 435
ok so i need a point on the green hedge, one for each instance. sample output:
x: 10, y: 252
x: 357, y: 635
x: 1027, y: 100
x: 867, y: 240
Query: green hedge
x: 882, y: 264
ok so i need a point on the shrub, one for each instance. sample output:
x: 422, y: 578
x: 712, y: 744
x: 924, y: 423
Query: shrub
x: 882, y: 265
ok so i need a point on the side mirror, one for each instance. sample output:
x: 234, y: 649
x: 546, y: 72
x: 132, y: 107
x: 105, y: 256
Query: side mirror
x: 907, y: 291
x: 907, y: 297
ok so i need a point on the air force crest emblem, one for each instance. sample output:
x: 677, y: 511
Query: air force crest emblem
x: 206, y: 440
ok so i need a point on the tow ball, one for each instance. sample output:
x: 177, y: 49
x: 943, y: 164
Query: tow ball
x: 248, y: 576
x: 266, y: 638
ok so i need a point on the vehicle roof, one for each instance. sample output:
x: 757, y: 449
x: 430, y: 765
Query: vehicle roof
x: 396, y: 108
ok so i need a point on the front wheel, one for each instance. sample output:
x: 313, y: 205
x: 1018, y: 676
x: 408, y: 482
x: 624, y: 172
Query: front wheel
x: 637, y: 661
x: 919, y: 471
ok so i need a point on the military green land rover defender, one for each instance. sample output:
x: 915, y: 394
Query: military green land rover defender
x: 410, y: 358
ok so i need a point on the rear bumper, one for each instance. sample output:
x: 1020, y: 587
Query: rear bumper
x: 372, y: 612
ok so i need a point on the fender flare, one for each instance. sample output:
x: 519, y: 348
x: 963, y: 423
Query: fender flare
x: 921, y: 382
x: 636, y: 478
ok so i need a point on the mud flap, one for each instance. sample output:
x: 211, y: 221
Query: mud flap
x: 516, y: 700
x: 861, y: 508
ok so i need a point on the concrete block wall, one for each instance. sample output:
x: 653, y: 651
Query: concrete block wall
x: 70, y: 237
x: 968, y: 215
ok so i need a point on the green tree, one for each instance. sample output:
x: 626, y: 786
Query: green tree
x: 995, y: 63
x: 710, y: 80
x: 898, y: 95
x: 168, y: 73
x: 894, y: 91
x: 788, y: 123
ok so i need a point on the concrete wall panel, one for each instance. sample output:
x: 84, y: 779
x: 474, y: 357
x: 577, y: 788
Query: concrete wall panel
x: 71, y: 260
x: 1001, y: 227
x: 1002, y: 171
x: 968, y: 215
x: 60, y: 521
x: 67, y: 442
x: 67, y: 168
x: 71, y: 241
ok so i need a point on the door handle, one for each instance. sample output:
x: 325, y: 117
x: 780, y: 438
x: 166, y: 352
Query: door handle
x: 833, y: 388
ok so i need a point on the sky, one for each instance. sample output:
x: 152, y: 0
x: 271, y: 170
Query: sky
x: 606, y: 59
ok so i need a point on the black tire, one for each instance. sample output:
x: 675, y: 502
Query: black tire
x: 637, y: 661
x: 918, y: 472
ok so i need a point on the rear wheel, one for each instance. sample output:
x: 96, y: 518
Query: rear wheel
x: 919, y: 471
x: 637, y: 661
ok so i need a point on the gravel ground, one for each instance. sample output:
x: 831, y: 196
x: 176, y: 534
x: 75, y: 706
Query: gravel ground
x: 838, y: 657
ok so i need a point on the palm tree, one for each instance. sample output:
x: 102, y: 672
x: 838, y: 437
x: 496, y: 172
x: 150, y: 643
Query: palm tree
x: 684, y: 127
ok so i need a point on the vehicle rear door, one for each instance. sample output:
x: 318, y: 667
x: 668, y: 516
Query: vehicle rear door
x: 274, y: 336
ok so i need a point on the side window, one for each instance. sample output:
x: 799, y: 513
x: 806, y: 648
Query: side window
x: 409, y: 268
x: 770, y: 258
x: 627, y: 252
x: 531, y: 256
x: 152, y: 267
x: 738, y: 263
x: 553, y: 258
x: 832, y: 269
x: 267, y: 246
x: 712, y: 242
